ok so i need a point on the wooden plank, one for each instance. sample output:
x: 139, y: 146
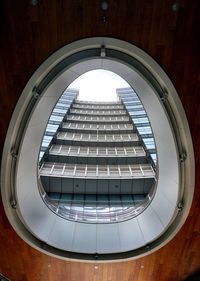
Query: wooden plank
x: 29, y: 34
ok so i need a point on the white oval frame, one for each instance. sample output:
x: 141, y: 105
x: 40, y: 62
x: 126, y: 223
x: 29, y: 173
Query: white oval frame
x: 158, y: 223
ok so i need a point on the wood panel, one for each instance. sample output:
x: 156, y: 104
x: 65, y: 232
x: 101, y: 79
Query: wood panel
x: 29, y: 34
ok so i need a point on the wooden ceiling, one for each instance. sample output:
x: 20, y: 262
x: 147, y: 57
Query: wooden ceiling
x: 29, y: 34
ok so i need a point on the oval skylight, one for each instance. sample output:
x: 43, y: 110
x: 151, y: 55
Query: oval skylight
x: 160, y: 220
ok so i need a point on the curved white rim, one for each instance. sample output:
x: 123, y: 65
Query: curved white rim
x: 159, y: 222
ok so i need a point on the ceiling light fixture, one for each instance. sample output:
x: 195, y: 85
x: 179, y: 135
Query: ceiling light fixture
x: 103, y: 51
x: 104, y: 5
x: 175, y: 7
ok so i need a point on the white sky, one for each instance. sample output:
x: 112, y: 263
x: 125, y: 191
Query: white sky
x: 98, y: 85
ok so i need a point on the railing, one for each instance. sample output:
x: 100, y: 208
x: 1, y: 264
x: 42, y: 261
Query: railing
x: 99, y: 127
x: 98, y: 112
x: 98, y: 102
x: 87, y: 151
x: 97, y: 107
x: 97, y: 209
x: 97, y: 171
x: 97, y: 137
x: 86, y: 118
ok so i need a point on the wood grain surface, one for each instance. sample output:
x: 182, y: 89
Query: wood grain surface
x: 28, y: 35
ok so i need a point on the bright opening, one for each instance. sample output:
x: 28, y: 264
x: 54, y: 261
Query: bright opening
x: 98, y: 85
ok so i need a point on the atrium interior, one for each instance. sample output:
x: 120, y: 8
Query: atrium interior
x: 98, y: 159
x: 98, y: 187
